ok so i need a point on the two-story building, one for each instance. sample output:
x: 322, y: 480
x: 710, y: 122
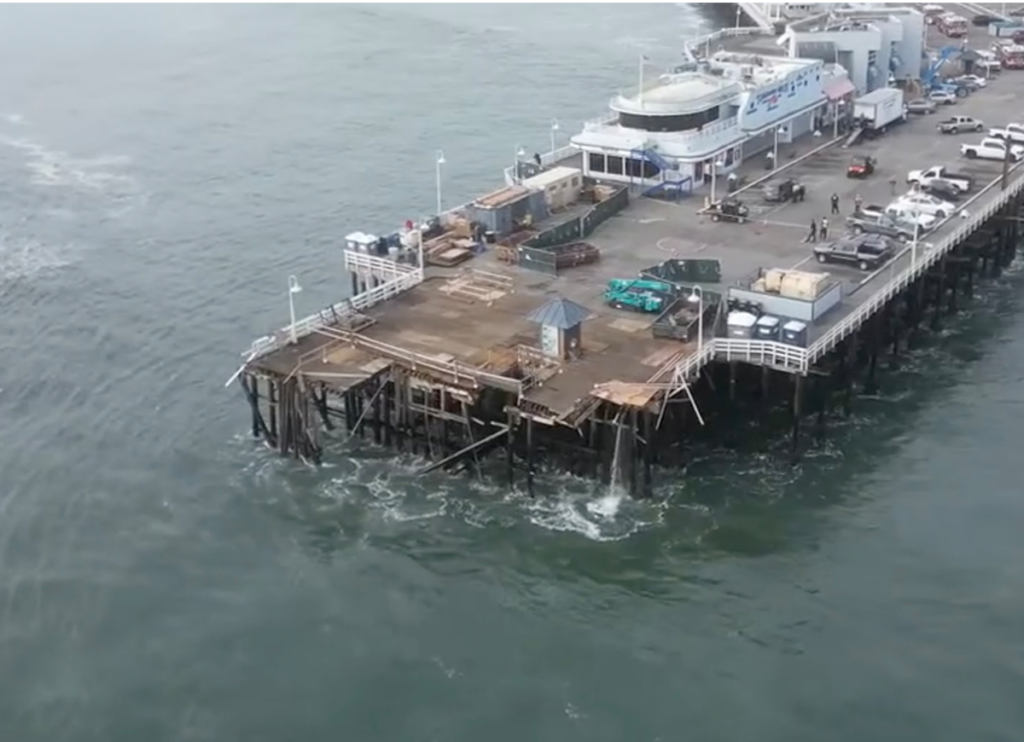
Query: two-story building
x: 716, y: 114
x: 875, y: 45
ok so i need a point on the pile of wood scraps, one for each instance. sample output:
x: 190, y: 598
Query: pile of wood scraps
x: 454, y: 246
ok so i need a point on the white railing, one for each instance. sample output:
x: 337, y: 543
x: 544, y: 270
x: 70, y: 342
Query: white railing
x: 601, y: 121
x: 799, y: 360
x: 344, y: 308
x: 376, y: 266
x: 546, y: 160
x: 761, y: 352
x: 703, y: 41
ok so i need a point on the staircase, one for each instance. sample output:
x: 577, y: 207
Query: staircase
x: 652, y: 156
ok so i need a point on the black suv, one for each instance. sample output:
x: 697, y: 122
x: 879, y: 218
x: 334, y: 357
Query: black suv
x: 782, y: 189
x: 867, y: 251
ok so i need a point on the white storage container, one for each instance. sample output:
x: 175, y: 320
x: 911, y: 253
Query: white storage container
x: 741, y: 324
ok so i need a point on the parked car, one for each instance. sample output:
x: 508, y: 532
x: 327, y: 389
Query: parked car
x: 957, y: 124
x: 782, y: 189
x: 910, y: 215
x: 960, y: 180
x: 1013, y: 132
x: 991, y: 148
x: 926, y: 204
x: 899, y: 229
x: 729, y: 210
x: 871, y: 211
x: 971, y: 82
x: 984, y: 19
x: 866, y: 251
x: 947, y: 190
x: 943, y: 97
x: 921, y: 106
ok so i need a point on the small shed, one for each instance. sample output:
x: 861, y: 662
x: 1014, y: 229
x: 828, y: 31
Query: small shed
x: 560, y: 321
x: 561, y: 186
x: 501, y: 210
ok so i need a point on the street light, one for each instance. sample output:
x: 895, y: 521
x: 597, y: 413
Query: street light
x: 697, y: 297
x: 913, y: 245
x: 293, y: 289
x: 738, y: 13
x: 439, y: 162
x: 520, y: 154
x: 554, y: 128
x: 715, y: 164
x: 775, y: 152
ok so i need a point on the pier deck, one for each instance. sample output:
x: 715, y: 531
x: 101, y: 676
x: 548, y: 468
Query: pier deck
x: 618, y: 345
x: 447, y: 356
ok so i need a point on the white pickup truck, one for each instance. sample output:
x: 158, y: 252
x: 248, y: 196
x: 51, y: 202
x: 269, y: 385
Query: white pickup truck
x: 991, y: 148
x: 961, y: 182
x: 1013, y: 132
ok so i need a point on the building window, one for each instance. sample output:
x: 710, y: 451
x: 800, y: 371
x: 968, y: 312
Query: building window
x: 681, y: 122
x: 614, y: 165
x: 596, y: 162
x: 634, y: 168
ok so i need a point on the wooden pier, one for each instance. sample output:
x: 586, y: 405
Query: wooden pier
x: 446, y: 363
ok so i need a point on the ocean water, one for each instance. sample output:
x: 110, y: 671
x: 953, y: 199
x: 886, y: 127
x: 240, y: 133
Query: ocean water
x: 163, y: 577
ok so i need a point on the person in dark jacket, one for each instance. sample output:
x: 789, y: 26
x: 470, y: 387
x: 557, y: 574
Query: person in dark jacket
x: 812, y: 236
x: 835, y: 203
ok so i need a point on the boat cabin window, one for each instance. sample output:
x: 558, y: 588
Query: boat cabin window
x: 678, y: 122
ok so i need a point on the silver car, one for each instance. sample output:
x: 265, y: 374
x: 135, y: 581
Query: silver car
x: 921, y: 106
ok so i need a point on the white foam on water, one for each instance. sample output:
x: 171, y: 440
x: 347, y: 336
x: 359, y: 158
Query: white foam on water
x: 24, y: 258
x: 15, y: 118
x: 607, y: 506
x: 101, y: 176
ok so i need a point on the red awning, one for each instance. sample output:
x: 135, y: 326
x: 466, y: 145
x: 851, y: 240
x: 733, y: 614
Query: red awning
x: 839, y: 88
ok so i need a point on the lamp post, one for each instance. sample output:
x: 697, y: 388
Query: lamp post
x: 913, y: 244
x: 293, y: 289
x: 520, y: 154
x: 775, y: 151
x: 739, y: 12
x: 697, y: 297
x: 715, y: 164
x: 554, y: 128
x: 438, y: 163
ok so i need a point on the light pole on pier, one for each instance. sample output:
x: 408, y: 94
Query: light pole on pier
x: 520, y: 154
x: 554, y: 128
x: 439, y: 161
x: 697, y: 297
x: 293, y: 289
x: 715, y: 164
x: 780, y: 129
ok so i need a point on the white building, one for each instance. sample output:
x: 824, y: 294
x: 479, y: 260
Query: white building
x: 872, y: 44
x: 729, y: 108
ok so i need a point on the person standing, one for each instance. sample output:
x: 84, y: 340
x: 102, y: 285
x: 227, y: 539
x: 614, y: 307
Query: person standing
x: 824, y: 228
x: 812, y: 236
x: 857, y: 201
x: 835, y: 203
x: 892, y: 184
